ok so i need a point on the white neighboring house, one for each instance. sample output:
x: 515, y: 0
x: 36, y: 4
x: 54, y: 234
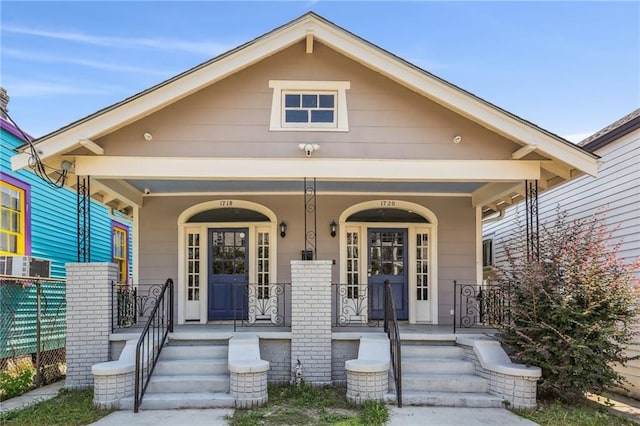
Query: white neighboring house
x: 615, y: 192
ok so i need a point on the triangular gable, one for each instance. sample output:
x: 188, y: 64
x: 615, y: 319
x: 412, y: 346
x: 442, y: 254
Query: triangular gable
x: 313, y: 27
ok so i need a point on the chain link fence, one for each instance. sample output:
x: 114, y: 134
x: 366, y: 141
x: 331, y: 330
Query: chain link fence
x: 32, y: 331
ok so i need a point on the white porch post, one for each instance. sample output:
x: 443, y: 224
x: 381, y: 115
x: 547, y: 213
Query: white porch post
x: 89, y: 287
x: 311, y: 319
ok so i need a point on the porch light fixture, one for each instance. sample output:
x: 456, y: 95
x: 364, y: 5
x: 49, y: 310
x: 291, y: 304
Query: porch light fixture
x: 333, y: 227
x: 148, y: 136
x: 457, y: 139
x: 283, y: 229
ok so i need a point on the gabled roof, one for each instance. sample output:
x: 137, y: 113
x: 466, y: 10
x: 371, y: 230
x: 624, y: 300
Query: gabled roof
x: 104, y: 121
x: 612, y: 132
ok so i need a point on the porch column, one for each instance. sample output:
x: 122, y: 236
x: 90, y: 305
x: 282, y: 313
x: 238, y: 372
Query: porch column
x: 89, y: 287
x: 311, y: 319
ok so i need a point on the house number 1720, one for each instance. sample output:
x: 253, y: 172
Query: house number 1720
x: 387, y: 203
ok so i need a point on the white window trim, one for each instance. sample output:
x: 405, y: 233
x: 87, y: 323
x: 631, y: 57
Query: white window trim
x: 338, y: 87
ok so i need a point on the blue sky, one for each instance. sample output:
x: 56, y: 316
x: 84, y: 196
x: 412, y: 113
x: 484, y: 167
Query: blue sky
x: 569, y: 67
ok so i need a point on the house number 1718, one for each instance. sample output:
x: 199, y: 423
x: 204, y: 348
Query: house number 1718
x: 226, y: 203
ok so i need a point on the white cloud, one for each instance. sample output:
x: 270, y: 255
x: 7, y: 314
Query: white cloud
x: 197, y: 47
x: 27, y: 88
x: 41, y: 57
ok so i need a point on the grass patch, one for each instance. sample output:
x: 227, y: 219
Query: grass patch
x: 69, y: 408
x: 585, y: 413
x: 307, y: 405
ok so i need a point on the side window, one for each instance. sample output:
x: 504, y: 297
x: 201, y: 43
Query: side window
x: 14, y: 221
x: 121, y: 251
x: 487, y: 253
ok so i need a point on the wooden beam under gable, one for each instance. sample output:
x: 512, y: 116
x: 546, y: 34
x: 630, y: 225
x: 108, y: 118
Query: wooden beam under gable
x: 198, y: 168
x: 309, y: 41
x: 523, y: 152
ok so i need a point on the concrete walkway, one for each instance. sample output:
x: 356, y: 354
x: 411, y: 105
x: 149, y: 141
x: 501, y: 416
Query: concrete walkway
x: 406, y: 416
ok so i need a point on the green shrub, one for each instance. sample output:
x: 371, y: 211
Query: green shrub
x: 571, y: 309
x: 16, y: 381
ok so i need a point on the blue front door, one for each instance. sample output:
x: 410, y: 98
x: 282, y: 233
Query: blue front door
x: 228, y: 273
x: 388, y: 261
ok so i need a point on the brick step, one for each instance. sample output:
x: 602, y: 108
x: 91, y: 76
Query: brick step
x: 194, y: 352
x: 191, y: 367
x: 432, y: 351
x: 188, y: 384
x: 447, y: 399
x: 444, y: 383
x: 172, y: 401
x: 411, y: 365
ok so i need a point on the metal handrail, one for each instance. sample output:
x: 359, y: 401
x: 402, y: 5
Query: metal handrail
x: 151, y: 341
x: 393, y: 332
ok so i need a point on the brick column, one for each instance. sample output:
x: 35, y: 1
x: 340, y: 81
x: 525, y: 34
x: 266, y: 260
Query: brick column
x: 89, y: 287
x: 311, y: 319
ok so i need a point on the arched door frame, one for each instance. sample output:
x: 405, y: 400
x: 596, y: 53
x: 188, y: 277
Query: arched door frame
x: 413, y: 228
x: 202, y: 229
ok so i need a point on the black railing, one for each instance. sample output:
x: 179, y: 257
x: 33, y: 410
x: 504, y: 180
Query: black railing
x: 261, y: 305
x: 152, y: 339
x: 131, y: 305
x: 124, y: 307
x: 357, y: 304
x: 480, y: 305
x: 392, y: 330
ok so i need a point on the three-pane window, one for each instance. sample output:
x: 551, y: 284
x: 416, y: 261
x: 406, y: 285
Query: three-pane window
x: 309, y: 108
x: 12, y: 220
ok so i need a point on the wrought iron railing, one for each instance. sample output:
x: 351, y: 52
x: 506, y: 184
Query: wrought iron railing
x: 123, y: 309
x: 480, y: 305
x: 357, y: 304
x: 131, y: 305
x: 393, y: 331
x: 152, y: 339
x: 266, y: 305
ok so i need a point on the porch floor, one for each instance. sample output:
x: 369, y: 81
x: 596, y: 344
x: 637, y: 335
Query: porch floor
x: 407, y: 331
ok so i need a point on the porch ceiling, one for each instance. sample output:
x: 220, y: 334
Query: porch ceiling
x: 170, y: 187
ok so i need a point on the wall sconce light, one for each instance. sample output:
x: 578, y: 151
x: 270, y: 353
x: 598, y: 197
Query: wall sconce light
x: 283, y: 229
x: 333, y: 227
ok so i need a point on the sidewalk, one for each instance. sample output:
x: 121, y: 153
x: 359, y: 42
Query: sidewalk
x: 406, y: 416
x: 32, y: 397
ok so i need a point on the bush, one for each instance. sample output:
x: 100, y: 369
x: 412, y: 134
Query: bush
x: 17, y: 380
x: 571, y: 309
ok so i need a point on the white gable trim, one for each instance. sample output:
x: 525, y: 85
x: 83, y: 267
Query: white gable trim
x: 363, y: 52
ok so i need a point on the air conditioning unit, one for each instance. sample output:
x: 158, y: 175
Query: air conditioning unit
x: 25, y: 266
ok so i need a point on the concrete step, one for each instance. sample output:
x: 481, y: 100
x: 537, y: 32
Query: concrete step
x: 432, y: 351
x: 191, y: 367
x: 172, y: 401
x: 411, y: 365
x: 194, y: 352
x: 444, y: 383
x: 448, y: 399
x: 188, y: 384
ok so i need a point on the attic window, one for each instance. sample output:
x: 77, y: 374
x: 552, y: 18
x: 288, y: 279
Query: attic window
x: 309, y: 106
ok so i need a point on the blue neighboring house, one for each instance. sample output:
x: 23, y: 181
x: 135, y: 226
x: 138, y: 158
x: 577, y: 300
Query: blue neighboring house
x: 39, y: 220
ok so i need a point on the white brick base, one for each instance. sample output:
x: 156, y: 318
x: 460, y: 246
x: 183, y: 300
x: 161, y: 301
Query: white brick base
x: 89, y: 287
x: 108, y: 390
x: 362, y: 386
x: 311, y: 319
x: 249, y: 389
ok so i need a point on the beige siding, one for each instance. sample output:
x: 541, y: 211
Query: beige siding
x: 456, y: 236
x: 231, y: 118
